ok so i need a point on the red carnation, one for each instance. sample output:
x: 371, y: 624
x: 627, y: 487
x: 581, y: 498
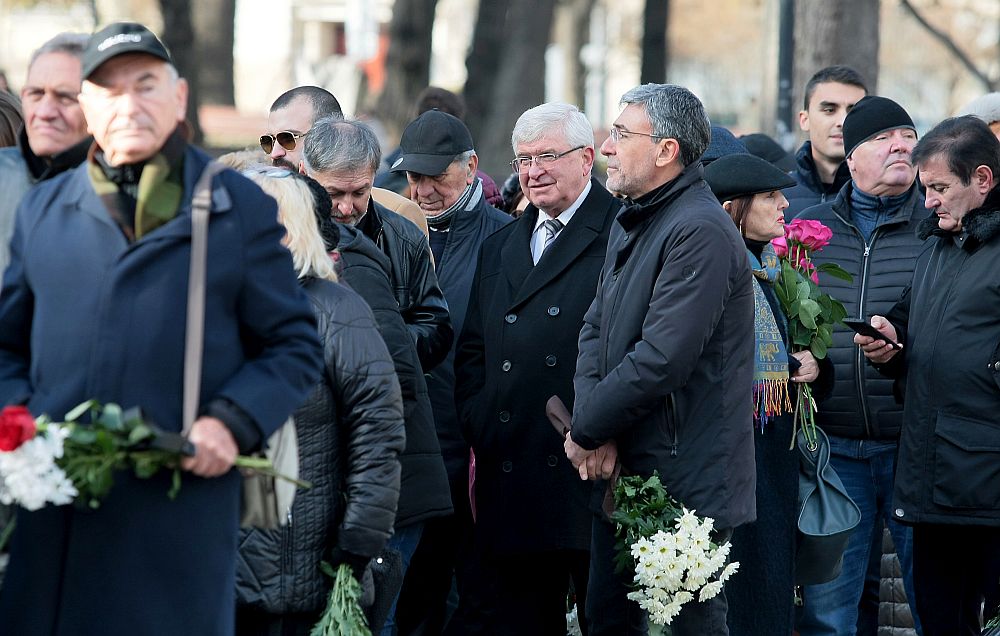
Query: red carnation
x: 16, y: 427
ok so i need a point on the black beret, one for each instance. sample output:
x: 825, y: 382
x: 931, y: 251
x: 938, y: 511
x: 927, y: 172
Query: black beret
x: 870, y: 116
x: 740, y: 175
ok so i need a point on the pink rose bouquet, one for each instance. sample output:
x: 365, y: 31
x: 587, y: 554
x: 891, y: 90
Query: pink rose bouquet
x: 811, y: 314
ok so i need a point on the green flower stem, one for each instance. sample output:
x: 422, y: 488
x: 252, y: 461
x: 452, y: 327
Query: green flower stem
x: 264, y: 466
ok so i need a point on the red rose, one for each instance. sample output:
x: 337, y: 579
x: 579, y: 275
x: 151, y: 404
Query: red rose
x: 812, y: 235
x: 780, y: 247
x: 16, y: 427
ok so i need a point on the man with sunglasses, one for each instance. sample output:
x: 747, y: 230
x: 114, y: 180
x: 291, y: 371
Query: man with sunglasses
x: 534, y: 282
x: 291, y: 117
x: 665, y: 364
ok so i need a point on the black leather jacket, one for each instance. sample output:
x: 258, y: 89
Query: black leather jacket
x: 350, y: 432
x: 414, y: 282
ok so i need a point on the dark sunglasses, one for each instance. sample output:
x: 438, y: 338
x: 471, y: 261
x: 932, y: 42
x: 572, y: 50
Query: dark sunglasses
x: 285, y: 139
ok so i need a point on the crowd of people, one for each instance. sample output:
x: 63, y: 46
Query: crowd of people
x: 421, y: 323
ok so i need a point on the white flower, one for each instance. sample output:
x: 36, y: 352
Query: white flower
x: 729, y: 571
x: 709, y: 591
x: 29, y: 476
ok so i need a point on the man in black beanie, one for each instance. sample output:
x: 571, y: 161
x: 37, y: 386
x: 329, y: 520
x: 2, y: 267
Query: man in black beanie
x: 874, y: 220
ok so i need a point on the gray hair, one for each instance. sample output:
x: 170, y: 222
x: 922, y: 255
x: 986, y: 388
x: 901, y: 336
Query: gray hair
x: 546, y: 119
x: 341, y: 145
x: 463, y: 158
x: 72, y: 44
x: 675, y: 113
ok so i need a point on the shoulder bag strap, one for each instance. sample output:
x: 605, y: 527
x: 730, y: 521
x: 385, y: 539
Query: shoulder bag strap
x: 201, y: 205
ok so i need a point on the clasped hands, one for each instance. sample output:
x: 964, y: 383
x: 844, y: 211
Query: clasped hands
x: 592, y: 464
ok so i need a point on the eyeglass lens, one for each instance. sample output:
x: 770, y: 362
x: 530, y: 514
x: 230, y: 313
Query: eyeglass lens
x: 285, y: 139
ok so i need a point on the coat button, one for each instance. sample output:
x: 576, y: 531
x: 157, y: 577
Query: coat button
x: 510, y: 318
x: 504, y: 416
x: 898, y: 512
x: 996, y: 366
x: 507, y: 466
x: 506, y: 365
x: 550, y: 361
x: 552, y: 460
x: 553, y: 311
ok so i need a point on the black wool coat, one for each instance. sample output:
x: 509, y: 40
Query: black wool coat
x: 519, y: 348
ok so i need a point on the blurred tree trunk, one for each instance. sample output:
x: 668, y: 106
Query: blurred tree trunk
x: 506, y: 78
x: 483, y: 64
x: 214, y: 38
x: 843, y: 32
x: 655, y: 52
x: 407, y: 64
x: 178, y: 35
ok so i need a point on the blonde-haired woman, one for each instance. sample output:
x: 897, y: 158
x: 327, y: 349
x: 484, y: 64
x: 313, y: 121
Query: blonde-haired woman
x: 350, y: 434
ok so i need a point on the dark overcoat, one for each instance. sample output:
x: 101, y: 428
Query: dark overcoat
x: 519, y: 348
x: 455, y: 273
x: 84, y: 314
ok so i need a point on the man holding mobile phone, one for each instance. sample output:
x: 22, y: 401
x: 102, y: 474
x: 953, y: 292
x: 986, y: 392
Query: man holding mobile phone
x: 948, y: 471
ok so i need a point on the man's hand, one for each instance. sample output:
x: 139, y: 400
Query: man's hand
x: 595, y: 464
x: 878, y: 351
x: 215, y: 448
x: 809, y: 370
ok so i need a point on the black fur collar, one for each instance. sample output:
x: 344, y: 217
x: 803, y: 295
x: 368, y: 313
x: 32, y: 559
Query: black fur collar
x: 981, y: 224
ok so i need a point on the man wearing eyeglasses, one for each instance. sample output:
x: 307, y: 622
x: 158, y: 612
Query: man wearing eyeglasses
x: 534, y: 282
x: 665, y: 364
x: 291, y: 117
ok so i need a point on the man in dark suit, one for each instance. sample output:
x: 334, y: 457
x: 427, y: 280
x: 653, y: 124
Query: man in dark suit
x: 535, y: 279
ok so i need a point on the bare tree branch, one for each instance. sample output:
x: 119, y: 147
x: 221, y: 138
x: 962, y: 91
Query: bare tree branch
x: 945, y: 39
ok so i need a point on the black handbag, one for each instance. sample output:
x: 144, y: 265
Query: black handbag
x: 826, y: 514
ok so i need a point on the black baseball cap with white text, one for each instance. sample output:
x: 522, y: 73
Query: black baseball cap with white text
x: 117, y: 39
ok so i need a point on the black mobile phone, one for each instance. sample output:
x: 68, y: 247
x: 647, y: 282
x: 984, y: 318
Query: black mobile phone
x: 863, y: 327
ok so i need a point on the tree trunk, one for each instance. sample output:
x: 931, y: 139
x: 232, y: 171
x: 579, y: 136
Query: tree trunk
x: 843, y: 32
x: 407, y: 64
x: 519, y: 83
x: 178, y: 35
x: 655, y: 53
x: 486, y: 55
x: 214, y: 35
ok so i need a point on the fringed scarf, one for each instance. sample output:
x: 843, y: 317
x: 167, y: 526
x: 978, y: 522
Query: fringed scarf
x: 770, y: 372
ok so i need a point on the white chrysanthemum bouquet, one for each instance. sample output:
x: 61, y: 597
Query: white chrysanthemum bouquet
x: 669, y: 547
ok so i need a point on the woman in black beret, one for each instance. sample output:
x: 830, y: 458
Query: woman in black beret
x: 761, y: 595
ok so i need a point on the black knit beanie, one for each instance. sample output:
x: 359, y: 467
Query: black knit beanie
x: 870, y: 116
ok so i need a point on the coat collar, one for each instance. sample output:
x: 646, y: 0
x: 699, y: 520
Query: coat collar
x: 842, y: 204
x: 635, y: 212
x: 80, y: 192
x: 981, y: 224
x: 527, y: 278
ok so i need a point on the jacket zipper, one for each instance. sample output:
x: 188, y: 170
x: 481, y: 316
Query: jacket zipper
x: 859, y: 363
x: 672, y: 414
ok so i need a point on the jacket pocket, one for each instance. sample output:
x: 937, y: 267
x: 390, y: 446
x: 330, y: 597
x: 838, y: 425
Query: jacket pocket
x: 966, y: 463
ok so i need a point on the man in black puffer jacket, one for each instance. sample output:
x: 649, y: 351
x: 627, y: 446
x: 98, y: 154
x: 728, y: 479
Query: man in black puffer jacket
x: 874, y: 220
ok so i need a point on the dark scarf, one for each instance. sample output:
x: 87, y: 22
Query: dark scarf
x: 143, y: 196
x: 868, y: 210
x: 770, y: 371
x: 41, y: 169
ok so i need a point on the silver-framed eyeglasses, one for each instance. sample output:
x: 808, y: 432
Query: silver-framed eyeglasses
x: 618, y: 133
x: 520, y: 164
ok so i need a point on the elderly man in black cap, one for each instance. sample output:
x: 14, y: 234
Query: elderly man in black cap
x: 97, y: 285
x: 874, y: 220
x: 439, y: 161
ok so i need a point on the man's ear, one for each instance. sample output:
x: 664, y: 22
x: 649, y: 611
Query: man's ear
x: 473, y: 167
x: 669, y: 151
x: 982, y: 178
x: 804, y: 120
x: 302, y: 167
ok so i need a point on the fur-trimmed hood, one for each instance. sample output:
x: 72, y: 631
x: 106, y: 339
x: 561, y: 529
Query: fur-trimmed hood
x: 981, y: 224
